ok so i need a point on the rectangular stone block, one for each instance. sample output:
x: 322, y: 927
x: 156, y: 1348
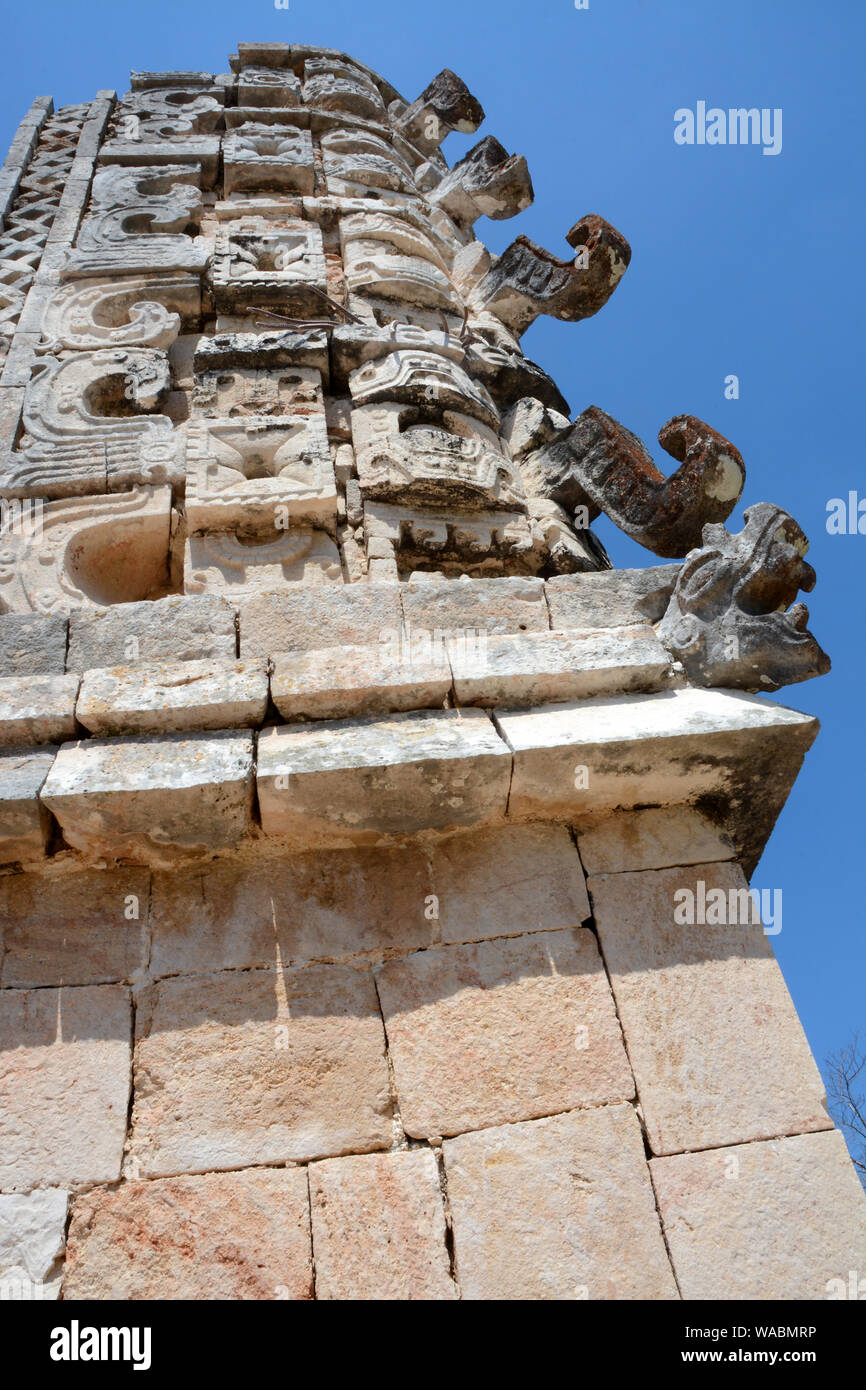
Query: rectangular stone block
x: 169, y: 629
x: 341, y: 682
x: 507, y: 881
x: 610, y: 598
x: 501, y: 1031
x: 657, y: 838
x: 174, y: 696
x: 259, y: 1066
x: 153, y: 799
x: 32, y: 1241
x: 64, y: 1085
x: 74, y: 929
x: 359, y: 779
x: 308, y: 619
x: 37, y: 709
x: 493, y: 606
x: 714, y: 1040
x: 379, y: 1228
x: 541, y: 668
x: 325, y: 905
x: 557, y: 1209
x: 783, y: 1219
x: 24, y: 822
x: 223, y: 1236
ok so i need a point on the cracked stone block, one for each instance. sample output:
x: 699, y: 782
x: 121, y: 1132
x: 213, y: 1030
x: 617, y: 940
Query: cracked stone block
x: 170, y: 629
x: 24, y: 821
x: 306, y: 906
x: 153, y: 799
x: 32, y: 645
x: 782, y: 1219
x: 310, y: 619
x: 504, y: 882
x: 211, y: 1236
x: 493, y: 606
x: 32, y: 1241
x: 38, y: 709
x: 359, y: 779
x: 340, y: 682
x: 660, y: 837
x: 379, y: 1228
x: 173, y: 697
x: 64, y: 1085
x: 557, y: 1209
x: 76, y: 929
x: 259, y: 1066
x: 501, y: 1031
x: 717, y: 1049
x: 613, y: 598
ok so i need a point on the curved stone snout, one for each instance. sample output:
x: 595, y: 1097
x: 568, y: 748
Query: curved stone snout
x: 726, y: 621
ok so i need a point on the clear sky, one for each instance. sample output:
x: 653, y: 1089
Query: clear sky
x: 741, y: 263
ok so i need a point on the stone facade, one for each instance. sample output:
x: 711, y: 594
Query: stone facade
x: 348, y: 792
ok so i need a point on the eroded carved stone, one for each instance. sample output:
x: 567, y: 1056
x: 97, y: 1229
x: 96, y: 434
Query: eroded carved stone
x: 268, y: 87
x: 256, y: 262
x: 341, y: 86
x: 134, y: 311
x: 240, y: 566
x: 446, y: 104
x: 425, y: 379
x: 487, y: 182
x: 138, y: 222
x: 264, y: 156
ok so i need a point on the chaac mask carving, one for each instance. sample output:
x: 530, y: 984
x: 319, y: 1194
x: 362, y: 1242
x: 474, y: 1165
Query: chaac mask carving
x: 727, y: 620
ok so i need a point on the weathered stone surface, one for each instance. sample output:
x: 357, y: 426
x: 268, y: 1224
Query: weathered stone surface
x: 173, y: 696
x: 64, y: 1085
x: 24, y: 821
x: 379, y: 1228
x: 782, y: 1219
x: 540, y: 668
x: 259, y: 1066
x: 306, y: 906
x: 308, y: 620
x: 657, y: 838
x: 340, y: 682
x: 558, y: 1208
x: 171, y: 629
x: 507, y: 881
x: 225, y: 563
x: 31, y: 645
x: 359, y: 779
x: 32, y: 1240
x: 505, y: 1030
x: 214, y: 1236
x: 153, y: 799
x: 37, y: 709
x: 718, y: 1052
x: 76, y: 929
x: 615, y: 598
x: 492, y: 605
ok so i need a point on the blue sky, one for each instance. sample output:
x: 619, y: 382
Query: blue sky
x: 742, y: 263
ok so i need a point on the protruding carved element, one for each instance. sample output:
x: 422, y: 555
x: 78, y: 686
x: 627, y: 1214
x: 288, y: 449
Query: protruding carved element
x: 340, y: 86
x: 527, y: 280
x: 445, y: 105
x: 726, y: 621
x: 486, y: 182
x: 133, y: 311
x: 598, y: 464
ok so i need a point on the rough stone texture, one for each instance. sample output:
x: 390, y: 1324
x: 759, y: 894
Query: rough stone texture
x: 360, y: 779
x: 340, y: 682
x: 379, y: 1228
x: 307, y: 906
x: 326, y: 616
x: 174, y: 696
x: 261, y: 1066
x: 24, y: 821
x: 558, y: 1208
x: 782, y: 1219
x: 616, y: 598
x: 718, y: 1052
x: 657, y: 838
x: 170, y: 629
x: 64, y: 1085
x: 501, y: 1031
x: 539, y: 668
x: 32, y: 1240
x: 153, y: 799
x: 79, y: 929
x: 37, y: 709
x: 508, y: 881
x: 492, y: 605
x: 215, y: 1236
x: 31, y: 645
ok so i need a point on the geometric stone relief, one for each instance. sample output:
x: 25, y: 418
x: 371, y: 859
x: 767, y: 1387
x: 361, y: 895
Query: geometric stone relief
x: 268, y: 87
x: 241, y: 566
x: 201, y: 109
x: 257, y: 156
x: 385, y: 255
x: 138, y: 221
x: 338, y: 86
x: 425, y: 379
x: 130, y: 311
x: 235, y: 391
x: 256, y: 262
x: 80, y: 433
x: 356, y: 162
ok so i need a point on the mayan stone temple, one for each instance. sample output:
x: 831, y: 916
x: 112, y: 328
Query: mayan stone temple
x: 373, y: 908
